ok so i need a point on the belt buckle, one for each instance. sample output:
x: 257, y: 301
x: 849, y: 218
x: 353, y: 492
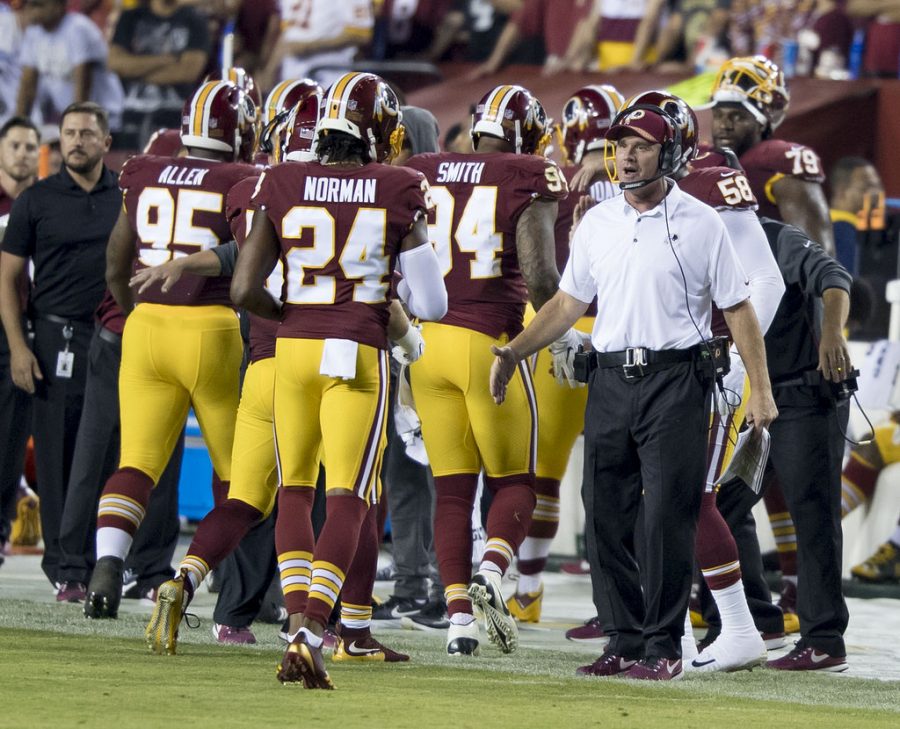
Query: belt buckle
x: 635, y: 361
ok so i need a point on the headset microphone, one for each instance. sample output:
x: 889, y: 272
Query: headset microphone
x: 642, y: 183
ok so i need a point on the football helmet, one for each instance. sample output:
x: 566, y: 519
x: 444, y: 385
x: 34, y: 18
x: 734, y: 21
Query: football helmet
x: 239, y: 77
x: 680, y: 112
x: 364, y: 106
x: 512, y: 113
x: 221, y: 118
x: 757, y: 84
x: 586, y: 118
x: 290, y: 116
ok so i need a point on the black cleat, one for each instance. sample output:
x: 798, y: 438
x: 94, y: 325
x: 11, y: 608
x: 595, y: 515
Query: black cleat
x: 104, y: 591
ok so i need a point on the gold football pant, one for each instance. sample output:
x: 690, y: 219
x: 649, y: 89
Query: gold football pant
x: 343, y: 421
x: 173, y: 358
x: 560, y: 411
x: 254, y: 476
x: 463, y: 428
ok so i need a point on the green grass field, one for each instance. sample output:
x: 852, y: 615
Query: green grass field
x: 60, y: 670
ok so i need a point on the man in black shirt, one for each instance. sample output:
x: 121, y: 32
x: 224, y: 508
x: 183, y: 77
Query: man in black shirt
x: 807, y: 359
x: 62, y: 225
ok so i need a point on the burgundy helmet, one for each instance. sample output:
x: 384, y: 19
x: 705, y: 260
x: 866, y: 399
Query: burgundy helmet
x: 240, y: 78
x: 364, y: 106
x: 290, y: 116
x: 514, y: 114
x: 586, y: 118
x: 682, y: 114
x: 221, y: 118
x: 164, y: 143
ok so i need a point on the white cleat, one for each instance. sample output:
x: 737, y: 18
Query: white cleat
x: 462, y: 640
x: 729, y: 653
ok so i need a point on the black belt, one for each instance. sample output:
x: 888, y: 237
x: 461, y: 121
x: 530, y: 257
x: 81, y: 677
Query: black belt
x: 63, y: 321
x: 640, y: 361
x: 110, y: 337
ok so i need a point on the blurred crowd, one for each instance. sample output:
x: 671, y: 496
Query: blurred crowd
x: 140, y: 59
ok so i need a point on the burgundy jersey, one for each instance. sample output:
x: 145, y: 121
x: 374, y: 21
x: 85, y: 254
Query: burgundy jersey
x: 772, y: 159
x: 723, y: 189
x: 110, y: 314
x: 340, y: 231
x: 177, y: 207
x: 6, y: 203
x: 240, y: 216
x: 478, y: 199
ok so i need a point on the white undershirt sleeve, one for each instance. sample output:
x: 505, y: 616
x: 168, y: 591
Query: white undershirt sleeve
x: 422, y: 287
x: 753, y: 251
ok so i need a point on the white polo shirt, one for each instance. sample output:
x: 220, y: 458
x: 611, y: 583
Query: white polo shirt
x: 625, y: 259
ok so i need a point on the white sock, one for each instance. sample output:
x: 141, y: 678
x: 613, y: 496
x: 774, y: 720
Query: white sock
x: 533, y: 548
x: 528, y: 584
x: 311, y: 638
x: 462, y: 619
x: 733, y: 609
x: 895, y: 537
x: 113, y: 542
x: 688, y: 643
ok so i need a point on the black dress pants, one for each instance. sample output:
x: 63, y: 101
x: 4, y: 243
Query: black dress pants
x: 15, y: 427
x: 806, y: 457
x: 645, y: 454
x: 57, y: 405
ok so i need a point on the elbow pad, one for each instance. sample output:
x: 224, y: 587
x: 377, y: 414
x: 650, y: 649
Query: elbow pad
x: 422, y: 287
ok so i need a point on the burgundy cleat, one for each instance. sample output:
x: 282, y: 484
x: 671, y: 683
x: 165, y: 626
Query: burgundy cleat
x: 609, y: 664
x: 807, y: 658
x: 591, y: 630
x: 233, y: 636
x: 71, y: 592
x: 304, y: 664
x: 656, y: 669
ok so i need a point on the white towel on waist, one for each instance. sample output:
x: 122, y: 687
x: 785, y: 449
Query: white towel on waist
x: 339, y: 359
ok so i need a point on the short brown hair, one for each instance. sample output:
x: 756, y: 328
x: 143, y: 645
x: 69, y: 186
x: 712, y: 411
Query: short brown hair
x: 88, y: 107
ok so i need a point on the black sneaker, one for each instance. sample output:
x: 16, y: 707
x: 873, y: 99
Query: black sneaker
x: 432, y: 617
x: 104, y: 591
x: 390, y: 612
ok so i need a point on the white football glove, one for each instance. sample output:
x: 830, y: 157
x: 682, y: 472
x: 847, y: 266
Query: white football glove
x: 563, y: 351
x: 409, y: 347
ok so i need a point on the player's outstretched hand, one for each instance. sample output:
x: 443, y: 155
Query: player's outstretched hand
x: 168, y: 273
x: 502, y: 371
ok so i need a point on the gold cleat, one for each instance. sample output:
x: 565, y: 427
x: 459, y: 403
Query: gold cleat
x: 304, y: 664
x: 526, y: 608
x: 366, y: 648
x: 162, y: 630
x: 883, y: 566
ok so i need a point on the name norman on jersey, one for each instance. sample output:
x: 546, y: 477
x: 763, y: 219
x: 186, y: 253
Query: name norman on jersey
x: 340, y: 231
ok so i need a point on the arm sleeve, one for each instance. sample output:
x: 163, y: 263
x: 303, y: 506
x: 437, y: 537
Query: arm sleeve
x: 804, y: 262
x: 227, y: 255
x: 753, y: 252
x: 728, y: 281
x: 20, y: 235
x: 576, y: 278
x: 422, y: 287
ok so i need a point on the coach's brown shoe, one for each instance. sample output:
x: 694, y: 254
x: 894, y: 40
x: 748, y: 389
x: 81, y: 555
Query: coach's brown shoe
x: 304, y: 664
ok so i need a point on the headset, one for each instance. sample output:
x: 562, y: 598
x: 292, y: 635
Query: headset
x: 670, y: 151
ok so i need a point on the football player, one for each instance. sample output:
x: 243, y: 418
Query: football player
x: 340, y: 225
x: 181, y: 347
x: 492, y: 226
x: 750, y: 99
x: 586, y: 117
